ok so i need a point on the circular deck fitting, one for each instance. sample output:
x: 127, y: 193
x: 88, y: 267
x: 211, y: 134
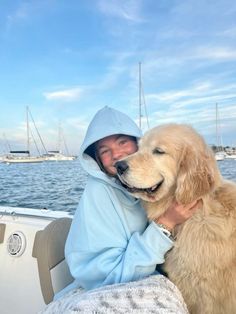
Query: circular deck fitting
x: 16, y: 244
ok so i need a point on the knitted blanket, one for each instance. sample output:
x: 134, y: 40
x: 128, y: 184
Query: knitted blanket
x: 154, y: 294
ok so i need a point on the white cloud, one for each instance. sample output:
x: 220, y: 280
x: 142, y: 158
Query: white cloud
x: 123, y: 9
x: 225, y: 53
x: 77, y: 123
x: 26, y: 11
x: 22, y: 12
x: 64, y: 95
x: 200, y: 94
x: 230, y: 32
x: 172, y: 96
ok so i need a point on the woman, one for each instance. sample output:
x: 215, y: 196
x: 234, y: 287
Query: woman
x: 111, y: 240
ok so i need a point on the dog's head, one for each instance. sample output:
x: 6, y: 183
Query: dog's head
x: 172, y: 161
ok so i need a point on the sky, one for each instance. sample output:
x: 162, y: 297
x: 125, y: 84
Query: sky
x: 66, y: 59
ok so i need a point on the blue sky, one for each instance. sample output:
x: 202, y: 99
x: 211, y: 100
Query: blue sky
x: 66, y: 59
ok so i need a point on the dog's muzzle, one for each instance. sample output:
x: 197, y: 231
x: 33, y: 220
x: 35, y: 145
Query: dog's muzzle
x: 122, y: 167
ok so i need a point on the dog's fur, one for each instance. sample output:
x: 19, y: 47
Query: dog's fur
x: 202, y: 262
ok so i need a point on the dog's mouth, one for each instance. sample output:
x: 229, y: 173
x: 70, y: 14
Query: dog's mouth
x: 132, y: 189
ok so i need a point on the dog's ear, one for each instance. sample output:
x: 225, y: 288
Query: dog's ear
x: 196, y: 175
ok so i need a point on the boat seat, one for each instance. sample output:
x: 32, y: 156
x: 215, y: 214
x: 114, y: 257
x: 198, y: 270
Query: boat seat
x: 2, y: 232
x: 48, y: 248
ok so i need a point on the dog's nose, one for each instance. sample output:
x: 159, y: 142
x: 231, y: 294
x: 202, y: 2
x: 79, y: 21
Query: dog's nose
x: 121, y: 166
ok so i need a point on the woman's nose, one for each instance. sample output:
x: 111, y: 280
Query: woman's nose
x: 117, y: 154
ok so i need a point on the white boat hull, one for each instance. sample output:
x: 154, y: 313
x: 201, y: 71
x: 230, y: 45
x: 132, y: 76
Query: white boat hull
x: 233, y: 156
x: 219, y: 156
x: 57, y: 156
x: 17, y: 160
x: 20, y: 160
x: 61, y: 158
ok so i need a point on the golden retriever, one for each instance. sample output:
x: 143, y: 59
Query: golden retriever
x: 174, y: 162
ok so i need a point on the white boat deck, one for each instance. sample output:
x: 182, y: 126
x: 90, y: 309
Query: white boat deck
x: 25, y: 243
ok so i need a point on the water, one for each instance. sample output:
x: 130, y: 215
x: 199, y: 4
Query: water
x: 228, y: 169
x: 56, y: 185
x: 51, y: 185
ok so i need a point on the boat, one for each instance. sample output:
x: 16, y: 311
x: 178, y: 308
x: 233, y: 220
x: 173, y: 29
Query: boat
x: 24, y: 156
x: 15, y: 157
x: 219, y: 156
x: 33, y: 266
x: 230, y: 153
x: 230, y: 156
x: 2, y: 158
x: 220, y: 153
x: 56, y: 155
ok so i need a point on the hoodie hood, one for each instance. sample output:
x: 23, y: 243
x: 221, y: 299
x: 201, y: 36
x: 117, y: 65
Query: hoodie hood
x: 106, y: 122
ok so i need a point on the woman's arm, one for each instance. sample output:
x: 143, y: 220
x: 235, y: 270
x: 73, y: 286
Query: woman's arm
x: 100, y: 250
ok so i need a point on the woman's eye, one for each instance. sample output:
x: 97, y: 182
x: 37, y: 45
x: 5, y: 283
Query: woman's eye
x: 103, y: 152
x: 158, y: 151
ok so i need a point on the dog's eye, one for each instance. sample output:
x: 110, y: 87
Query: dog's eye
x: 158, y: 151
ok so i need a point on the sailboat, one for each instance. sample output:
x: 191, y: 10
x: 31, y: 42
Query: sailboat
x: 57, y: 155
x: 220, y: 154
x: 24, y: 156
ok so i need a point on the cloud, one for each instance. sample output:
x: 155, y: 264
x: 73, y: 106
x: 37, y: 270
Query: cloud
x: 64, y: 95
x: 203, y: 93
x: 197, y: 55
x: 171, y: 96
x: 124, y: 9
x: 77, y: 123
x: 230, y: 32
x: 216, y: 53
x: 27, y: 11
x: 21, y: 13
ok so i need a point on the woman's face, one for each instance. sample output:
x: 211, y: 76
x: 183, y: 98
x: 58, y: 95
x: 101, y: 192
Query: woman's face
x: 113, y: 148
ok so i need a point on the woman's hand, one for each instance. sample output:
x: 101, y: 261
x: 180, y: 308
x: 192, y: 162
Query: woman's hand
x: 177, y: 214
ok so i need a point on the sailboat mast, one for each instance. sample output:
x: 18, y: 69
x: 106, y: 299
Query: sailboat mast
x: 140, y: 97
x: 217, y: 129
x: 27, y: 127
x: 59, y: 138
x: 32, y: 119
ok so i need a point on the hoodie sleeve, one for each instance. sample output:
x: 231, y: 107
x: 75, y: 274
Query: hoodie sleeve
x: 100, y: 250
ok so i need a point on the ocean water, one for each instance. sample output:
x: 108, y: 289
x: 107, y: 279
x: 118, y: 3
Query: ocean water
x: 56, y: 185
x: 51, y: 185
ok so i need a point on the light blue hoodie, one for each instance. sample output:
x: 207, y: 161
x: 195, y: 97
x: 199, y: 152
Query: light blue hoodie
x: 110, y: 239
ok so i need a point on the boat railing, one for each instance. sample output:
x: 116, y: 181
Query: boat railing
x: 31, y: 212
